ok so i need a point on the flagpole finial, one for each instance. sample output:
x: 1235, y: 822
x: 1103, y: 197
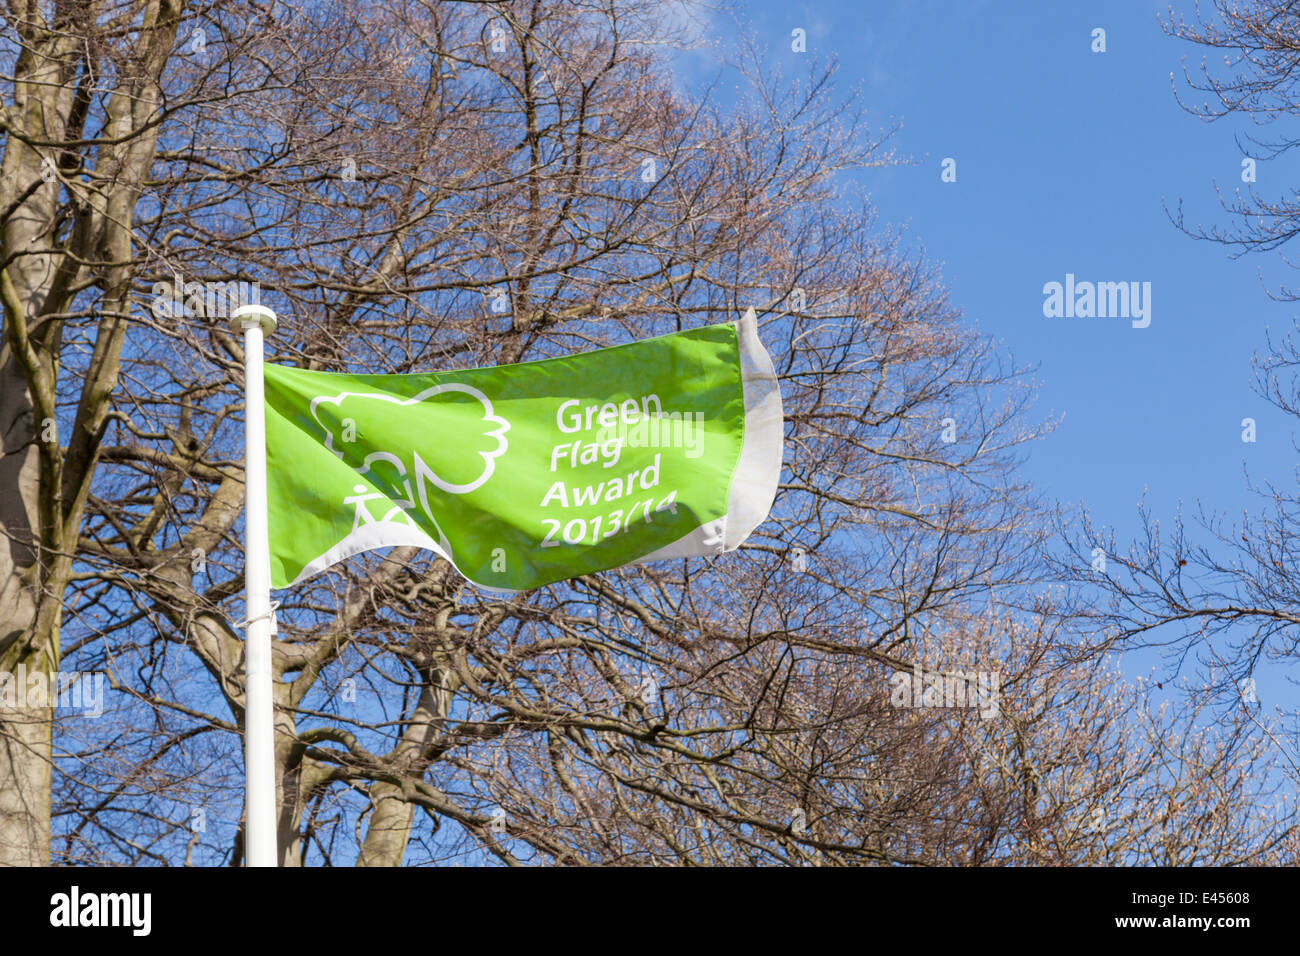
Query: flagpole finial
x: 253, y: 316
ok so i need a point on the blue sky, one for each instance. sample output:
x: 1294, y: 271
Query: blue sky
x: 1065, y: 161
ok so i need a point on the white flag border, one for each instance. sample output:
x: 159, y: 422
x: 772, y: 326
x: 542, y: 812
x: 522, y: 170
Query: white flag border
x: 758, y: 470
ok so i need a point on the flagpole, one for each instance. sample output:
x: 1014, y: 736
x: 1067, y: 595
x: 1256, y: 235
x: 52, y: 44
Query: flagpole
x: 260, y: 845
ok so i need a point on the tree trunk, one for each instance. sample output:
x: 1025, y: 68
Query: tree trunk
x: 391, y: 818
x: 390, y: 827
x: 25, y: 738
x: 25, y: 778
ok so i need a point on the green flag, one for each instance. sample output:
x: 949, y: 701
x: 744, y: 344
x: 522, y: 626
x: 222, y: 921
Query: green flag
x: 521, y: 475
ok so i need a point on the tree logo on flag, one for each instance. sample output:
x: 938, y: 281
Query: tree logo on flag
x: 467, y: 423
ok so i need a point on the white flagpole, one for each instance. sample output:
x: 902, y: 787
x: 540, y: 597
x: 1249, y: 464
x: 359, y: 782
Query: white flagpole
x: 260, y: 846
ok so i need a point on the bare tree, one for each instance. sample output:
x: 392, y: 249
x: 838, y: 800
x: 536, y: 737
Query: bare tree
x: 1256, y: 50
x: 81, y: 127
x: 1217, y: 594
